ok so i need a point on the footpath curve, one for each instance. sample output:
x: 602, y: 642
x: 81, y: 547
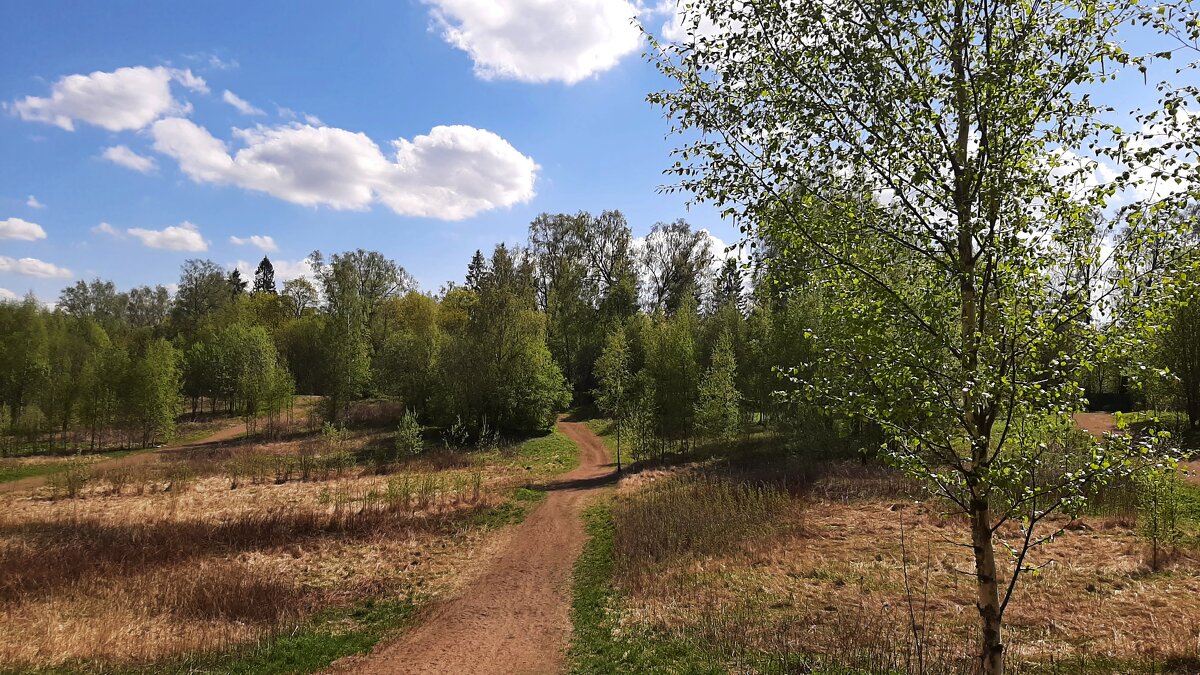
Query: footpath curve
x: 515, y: 616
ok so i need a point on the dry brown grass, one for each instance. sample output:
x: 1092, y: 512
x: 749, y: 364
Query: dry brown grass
x: 167, y: 558
x: 825, y: 583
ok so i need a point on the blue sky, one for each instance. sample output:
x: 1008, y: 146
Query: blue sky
x: 383, y: 69
x: 424, y: 130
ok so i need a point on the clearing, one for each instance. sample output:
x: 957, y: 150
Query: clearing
x: 281, y: 556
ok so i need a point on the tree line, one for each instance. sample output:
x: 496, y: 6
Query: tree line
x: 504, y: 350
x: 677, y: 343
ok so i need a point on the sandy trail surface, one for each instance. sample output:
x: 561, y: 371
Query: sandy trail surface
x: 515, y: 616
x: 1096, y: 423
x: 1099, y: 424
x: 227, y: 433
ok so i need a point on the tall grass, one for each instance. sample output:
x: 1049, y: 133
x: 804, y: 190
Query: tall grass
x: 48, y: 555
x: 692, y: 516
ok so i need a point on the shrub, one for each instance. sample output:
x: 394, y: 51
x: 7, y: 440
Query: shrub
x: 180, y: 478
x: 71, y: 480
x: 427, y: 491
x: 29, y: 423
x: 118, y: 478
x: 337, y: 462
x: 408, y: 436
x: 399, y: 492
x: 285, y: 466
x: 476, y: 485
x: 456, y: 435
x: 1158, y: 509
x: 488, y: 437
x: 333, y: 437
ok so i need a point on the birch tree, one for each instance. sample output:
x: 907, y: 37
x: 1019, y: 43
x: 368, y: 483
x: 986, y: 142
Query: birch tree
x: 943, y: 166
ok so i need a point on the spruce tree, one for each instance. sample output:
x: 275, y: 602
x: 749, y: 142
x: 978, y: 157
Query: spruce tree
x: 264, y: 277
x: 476, y: 271
x: 718, y: 410
x: 236, y: 285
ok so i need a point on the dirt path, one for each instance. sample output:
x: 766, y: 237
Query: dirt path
x: 1099, y: 424
x: 138, y: 458
x: 515, y: 617
x: 1096, y: 423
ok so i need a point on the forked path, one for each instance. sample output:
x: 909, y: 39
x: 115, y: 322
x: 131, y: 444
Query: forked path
x: 515, y: 617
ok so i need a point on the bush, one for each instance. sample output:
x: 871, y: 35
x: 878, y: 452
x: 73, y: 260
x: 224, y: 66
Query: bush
x: 118, y: 478
x: 456, y: 435
x: 180, y: 478
x: 71, y: 480
x: 1158, y: 509
x: 408, y: 436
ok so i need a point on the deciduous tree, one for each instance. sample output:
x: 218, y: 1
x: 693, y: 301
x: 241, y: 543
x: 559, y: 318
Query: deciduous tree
x: 935, y: 165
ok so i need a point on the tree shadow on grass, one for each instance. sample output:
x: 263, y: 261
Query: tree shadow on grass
x: 60, y: 553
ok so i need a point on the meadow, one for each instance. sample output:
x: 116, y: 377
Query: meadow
x: 765, y: 558
x: 252, y: 554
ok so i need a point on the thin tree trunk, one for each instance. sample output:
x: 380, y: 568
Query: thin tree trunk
x: 988, y: 588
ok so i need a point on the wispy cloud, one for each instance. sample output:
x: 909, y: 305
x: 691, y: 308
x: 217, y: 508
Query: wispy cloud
x: 242, y: 105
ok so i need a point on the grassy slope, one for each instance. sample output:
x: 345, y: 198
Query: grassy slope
x: 13, y: 472
x: 542, y: 456
x: 607, y: 432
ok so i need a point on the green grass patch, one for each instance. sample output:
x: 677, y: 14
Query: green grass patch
x: 597, y: 646
x: 521, y: 502
x: 11, y: 472
x: 540, y: 457
x: 198, y: 435
x: 524, y: 494
x: 329, y: 636
x: 606, y: 429
x: 18, y: 471
x: 1189, y: 503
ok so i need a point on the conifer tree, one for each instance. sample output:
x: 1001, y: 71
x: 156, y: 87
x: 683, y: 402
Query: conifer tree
x: 718, y: 410
x: 264, y: 277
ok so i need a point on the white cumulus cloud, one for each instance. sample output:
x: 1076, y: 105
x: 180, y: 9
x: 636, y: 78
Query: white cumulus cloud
x: 32, y: 267
x: 243, y: 106
x: 126, y: 98
x: 539, y: 40
x: 19, y: 228
x: 33, y: 203
x: 182, y: 237
x: 453, y: 172
x: 7, y: 295
x: 123, y: 156
x: 262, y: 241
